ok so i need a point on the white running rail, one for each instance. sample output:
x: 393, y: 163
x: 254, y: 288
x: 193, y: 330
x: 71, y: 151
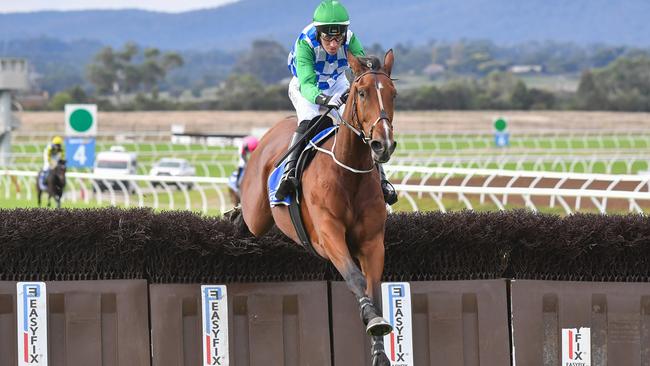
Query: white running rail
x: 416, y: 186
x: 222, y: 164
x: 128, y: 190
x: 499, y: 185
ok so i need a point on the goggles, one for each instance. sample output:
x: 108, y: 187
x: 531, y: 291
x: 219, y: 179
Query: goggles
x: 328, y: 38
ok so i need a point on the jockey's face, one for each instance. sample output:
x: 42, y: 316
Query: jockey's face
x: 57, y: 147
x: 331, y: 44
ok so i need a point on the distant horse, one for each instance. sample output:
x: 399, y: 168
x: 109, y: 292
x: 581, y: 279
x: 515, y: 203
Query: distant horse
x: 341, y: 199
x: 54, y: 182
x: 233, y: 188
x: 234, y: 196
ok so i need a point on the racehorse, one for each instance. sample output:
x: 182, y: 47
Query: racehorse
x: 342, y: 204
x: 54, y: 182
x: 234, y: 183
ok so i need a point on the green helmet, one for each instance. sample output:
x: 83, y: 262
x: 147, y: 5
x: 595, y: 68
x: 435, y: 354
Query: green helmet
x: 331, y: 18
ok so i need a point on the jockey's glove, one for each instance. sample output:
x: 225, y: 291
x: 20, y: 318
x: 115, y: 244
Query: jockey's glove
x: 333, y: 101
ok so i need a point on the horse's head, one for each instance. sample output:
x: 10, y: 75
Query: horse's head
x: 371, y: 103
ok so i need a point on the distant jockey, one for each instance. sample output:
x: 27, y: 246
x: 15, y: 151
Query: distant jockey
x: 51, y: 155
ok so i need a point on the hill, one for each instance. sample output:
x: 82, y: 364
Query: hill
x: 387, y: 22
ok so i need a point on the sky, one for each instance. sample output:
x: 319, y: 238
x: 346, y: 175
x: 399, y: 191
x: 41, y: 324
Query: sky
x: 172, y: 6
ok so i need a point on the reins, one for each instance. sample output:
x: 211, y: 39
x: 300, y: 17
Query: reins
x: 383, y: 116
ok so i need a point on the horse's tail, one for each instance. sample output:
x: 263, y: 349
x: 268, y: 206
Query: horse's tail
x: 236, y: 217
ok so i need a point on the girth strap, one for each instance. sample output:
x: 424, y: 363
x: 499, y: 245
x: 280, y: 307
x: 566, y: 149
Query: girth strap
x: 296, y: 219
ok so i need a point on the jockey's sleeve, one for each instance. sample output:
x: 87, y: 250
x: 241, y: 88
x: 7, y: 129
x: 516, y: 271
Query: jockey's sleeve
x: 48, y: 154
x: 305, y: 71
x: 305, y: 66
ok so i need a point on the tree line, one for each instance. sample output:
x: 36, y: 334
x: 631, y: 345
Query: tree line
x: 470, y: 77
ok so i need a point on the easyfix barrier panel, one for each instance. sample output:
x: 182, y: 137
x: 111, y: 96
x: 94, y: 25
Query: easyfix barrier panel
x: 549, y: 315
x: 268, y: 324
x: 455, y: 323
x: 88, y: 323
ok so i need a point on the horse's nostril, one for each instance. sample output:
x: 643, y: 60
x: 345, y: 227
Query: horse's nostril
x: 377, y: 146
x: 393, y: 147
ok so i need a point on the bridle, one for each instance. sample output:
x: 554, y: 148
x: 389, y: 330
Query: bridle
x: 358, y: 127
x: 383, y: 116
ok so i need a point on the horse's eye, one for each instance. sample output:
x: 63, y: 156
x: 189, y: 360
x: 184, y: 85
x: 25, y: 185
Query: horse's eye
x: 362, y: 93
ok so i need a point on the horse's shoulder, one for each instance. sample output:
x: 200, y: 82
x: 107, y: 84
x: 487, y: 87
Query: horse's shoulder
x: 289, y: 120
x: 287, y: 123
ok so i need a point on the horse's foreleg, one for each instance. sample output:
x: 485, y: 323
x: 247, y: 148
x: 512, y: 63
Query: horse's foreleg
x: 377, y: 352
x: 371, y: 259
x: 336, y: 249
x: 332, y: 237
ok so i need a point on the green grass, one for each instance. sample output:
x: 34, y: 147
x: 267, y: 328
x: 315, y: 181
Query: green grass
x: 225, y: 168
x: 221, y: 161
x: 21, y: 201
x: 555, y: 143
x: 407, y: 142
x: 424, y: 204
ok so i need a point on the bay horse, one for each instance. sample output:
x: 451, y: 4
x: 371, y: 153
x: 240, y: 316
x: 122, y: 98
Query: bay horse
x: 55, y: 183
x: 342, y: 204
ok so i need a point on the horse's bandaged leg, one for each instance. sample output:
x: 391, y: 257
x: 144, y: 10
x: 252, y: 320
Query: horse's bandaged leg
x: 367, y: 309
x: 378, y: 352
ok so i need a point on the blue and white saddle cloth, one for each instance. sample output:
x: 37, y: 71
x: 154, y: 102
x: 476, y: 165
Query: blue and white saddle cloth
x: 276, y: 175
x: 42, y: 177
x: 233, y: 182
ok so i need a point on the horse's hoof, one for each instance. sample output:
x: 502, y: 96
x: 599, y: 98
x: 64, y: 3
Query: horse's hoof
x: 378, y: 327
x: 380, y: 359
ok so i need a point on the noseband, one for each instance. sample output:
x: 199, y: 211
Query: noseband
x: 383, y: 116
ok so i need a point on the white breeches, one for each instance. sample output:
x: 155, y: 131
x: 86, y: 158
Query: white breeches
x: 307, y: 110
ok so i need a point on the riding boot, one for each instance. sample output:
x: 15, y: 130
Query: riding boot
x: 289, y: 181
x: 390, y: 195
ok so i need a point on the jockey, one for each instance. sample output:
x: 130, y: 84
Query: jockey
x: 318, y: 62
x: 249, y: 144
x: 51, y: 155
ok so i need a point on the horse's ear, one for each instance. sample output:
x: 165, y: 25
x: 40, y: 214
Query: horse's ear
x: 388, y: 61
x: 356, y: 66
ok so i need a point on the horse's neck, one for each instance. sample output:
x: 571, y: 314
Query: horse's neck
x: 58, y: 177
x: 350, y: 149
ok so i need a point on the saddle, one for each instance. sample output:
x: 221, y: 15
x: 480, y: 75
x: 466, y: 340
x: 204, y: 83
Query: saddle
x: 42, y: 179
x: 304, y: 159
x: 233, y: 181
x: 293, y: 201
